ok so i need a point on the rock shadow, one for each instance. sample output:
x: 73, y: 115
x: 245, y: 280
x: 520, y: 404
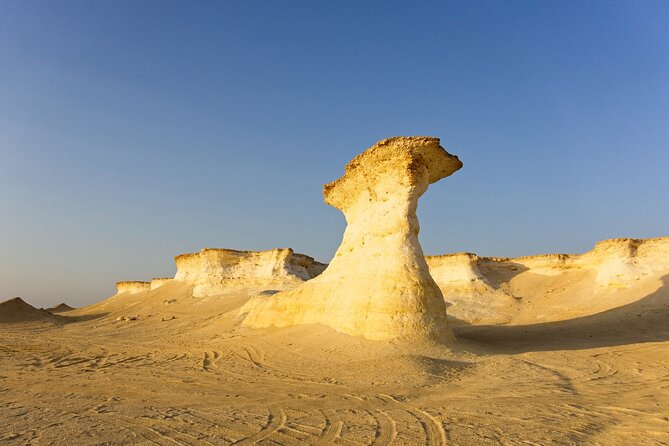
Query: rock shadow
x: 499, y: 272
x: 646, y: 320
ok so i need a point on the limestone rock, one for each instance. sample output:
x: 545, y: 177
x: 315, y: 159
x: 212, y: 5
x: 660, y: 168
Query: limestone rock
x: 469, y: 295
x: 549, y: 287
x: 213, y: 271
x: 378, y: 284
x: 132, y: 287
x: 620, y: 262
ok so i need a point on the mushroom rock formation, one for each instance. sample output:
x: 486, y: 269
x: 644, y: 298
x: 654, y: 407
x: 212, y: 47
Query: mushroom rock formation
x: 132, y: 287
x: 215, y: 271
x: 378, y: 285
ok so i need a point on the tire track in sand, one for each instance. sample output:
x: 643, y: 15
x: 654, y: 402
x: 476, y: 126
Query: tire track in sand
x: 386, y: 428
x: 275, y: 421
x: 434, y: 430
x: 332, y: 429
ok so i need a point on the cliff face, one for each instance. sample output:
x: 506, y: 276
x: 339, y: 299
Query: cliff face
x: 213, y: 271
x: 491, y: 290
x: 621, y: 262
x: 378, y: 284
x: 132, y: 287
x: 467, y: 292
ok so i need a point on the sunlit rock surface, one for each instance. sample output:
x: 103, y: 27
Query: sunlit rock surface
x: 132, y: 287
x: 213, y: 271
x: 378, y: 284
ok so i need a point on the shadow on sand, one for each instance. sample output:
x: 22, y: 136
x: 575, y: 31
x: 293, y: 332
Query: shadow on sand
x: 646, y: 320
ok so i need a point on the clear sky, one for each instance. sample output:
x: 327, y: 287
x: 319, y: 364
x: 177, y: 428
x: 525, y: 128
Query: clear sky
x: 134, y: 131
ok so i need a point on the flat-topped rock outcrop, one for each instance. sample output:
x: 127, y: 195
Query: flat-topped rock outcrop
x: 378, y: 285
x: 548, y: 287
x: 132, y: 287
x: 213, y: 271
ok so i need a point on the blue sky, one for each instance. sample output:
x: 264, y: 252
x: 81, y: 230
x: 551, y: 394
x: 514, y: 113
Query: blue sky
x: 134, y: 131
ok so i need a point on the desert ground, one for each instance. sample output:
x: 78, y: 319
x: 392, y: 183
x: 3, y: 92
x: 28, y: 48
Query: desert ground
x: 382, y: 346
x: 164, y: 367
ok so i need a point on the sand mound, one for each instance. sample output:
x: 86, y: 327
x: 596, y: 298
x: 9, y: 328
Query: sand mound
x: 17, y: 310
x: 60, y: 308
x: 378, y: 285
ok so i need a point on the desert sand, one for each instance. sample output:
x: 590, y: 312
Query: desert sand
x: 544, y: 350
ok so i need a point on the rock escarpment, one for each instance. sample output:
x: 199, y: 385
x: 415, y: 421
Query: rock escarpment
x: 468, y: 293
x: 213, y: 271
x: 132, y: 287
x: 378, y: 284
x: 550, y: 287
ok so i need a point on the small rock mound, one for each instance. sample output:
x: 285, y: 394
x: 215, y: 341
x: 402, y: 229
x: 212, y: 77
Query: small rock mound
x: 60, y: 308
x: 17, y: 310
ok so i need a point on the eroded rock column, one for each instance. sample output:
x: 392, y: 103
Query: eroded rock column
x: 378, y: 284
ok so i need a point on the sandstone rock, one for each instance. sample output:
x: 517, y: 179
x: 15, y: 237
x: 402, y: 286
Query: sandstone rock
x: 494, y: 290
x: 378, y: 284
x: 467, y: 292
x: 132, y: 287
x: 622, y: 261
x: 213, y: 271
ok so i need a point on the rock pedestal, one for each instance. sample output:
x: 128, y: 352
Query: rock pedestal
x: 378, y: 285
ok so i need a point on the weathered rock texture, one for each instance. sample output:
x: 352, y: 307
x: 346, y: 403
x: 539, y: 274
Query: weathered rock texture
x: 493, y: 290
x: 214, y: 271
x: 468, y: 293
x: 378, y: 284
x: 132, y: 287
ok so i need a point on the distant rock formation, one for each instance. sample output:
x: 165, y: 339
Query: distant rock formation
x: 213, y: 271
x: 17, y: 310
x: 496, y: 290
x: 132, y: 287
x: 469, y: 294
x: 621, y: 262
x: 60, y: 308
x: 157, y: 282
x: 378, y: 285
